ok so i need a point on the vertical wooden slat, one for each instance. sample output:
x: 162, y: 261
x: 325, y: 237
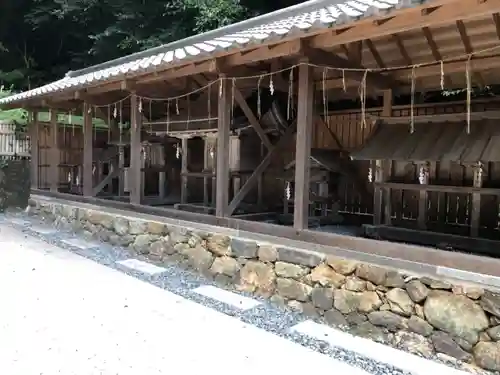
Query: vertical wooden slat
x: 476, y: 203
x: 55, y: 155
x: 184, y: 169
x: 134, y: 175
x: 87, y: 151
x: 206, y: 158
x: 303, y: 147
x: 34, y: 137
x: 223, y: 128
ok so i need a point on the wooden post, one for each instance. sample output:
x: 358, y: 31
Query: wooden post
x: 134, y: 174
x: 223, y: 128
x: 184, y: 169
x: 55, y: 155
x: 261, y: 180
x: 476, y: 201
x: 383, y: 174
x: 34, y: 138
x: 206, y: 165
x: 303, y: 147
x: 88, y: 180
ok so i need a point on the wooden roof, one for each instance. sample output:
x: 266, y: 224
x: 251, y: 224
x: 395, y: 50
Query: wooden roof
x: 447, y: 141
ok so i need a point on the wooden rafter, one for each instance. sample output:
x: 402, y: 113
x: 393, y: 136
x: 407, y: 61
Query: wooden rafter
x: 435, y: 51
x: 468, y: 49
x: 441, y: 14
x: 375, y: 54
x: 378, y: 80
x: 402, y: 50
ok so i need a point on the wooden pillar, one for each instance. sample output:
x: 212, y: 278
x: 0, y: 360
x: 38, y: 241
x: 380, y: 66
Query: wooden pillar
x: 184, y: 169
x: 55, y: 155
x: 382, y: 197
x: 475, y: 219
x: 121, y: 173
x: 303, y: 147
x: 223, y: 129
x: 88, y: 180
x: 207, y: 163
x: 134, y: 174
x: 34, y: 138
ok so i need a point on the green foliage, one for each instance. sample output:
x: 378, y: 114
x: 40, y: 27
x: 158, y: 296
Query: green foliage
x: 40, y: 40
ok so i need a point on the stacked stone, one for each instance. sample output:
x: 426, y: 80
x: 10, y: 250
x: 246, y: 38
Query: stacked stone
x: 418, y: 314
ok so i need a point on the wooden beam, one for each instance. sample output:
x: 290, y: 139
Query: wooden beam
x: 251, y: 118
x: 303, y: 147
x: 253, y: 179
x: 134, y: 175
x: 88, y: 178
x: 442, y: 14
x: 34, y: 132
x: 55, y: 154
x: 223, y: 127
x: 355, y: 53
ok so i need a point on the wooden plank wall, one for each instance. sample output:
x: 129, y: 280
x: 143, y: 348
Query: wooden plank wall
x: 70, y: 140
x: 443, y: 208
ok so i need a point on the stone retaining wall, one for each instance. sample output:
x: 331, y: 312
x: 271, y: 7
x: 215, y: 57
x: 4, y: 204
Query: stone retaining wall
x: 419, y: 314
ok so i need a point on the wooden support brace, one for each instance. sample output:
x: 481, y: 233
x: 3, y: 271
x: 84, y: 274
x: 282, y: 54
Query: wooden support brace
x: 108, y: 179
x: 252, y: 180
x: 251, y: 118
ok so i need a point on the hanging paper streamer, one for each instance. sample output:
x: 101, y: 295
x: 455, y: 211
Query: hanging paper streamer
x: 178, y: 151
x: 168, y: 117
x: 290, y: 95
x: 469, y: 90
x: 325, y: 99
x: 271, y: 85
x: 140, y: 105
x: 259, y: 113
x: 370, y: 175
x: 412, y: 100
x: 288, y: 190
x: 220, y: 87
x: 177, y: 106
x: 343, y: 80
x: 93, y: 170
x: 479, y: 174
x: 115, y: 112
x: 109, y: 124
x: 212, y: 152
x: 442, y: 75
x: 362, y: 97
x: 421, y: 176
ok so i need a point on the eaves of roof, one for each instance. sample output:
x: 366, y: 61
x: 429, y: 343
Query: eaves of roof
x: 296, y: 20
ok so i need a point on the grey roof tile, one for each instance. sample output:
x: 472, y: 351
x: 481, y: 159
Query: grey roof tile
x: 325, y: 15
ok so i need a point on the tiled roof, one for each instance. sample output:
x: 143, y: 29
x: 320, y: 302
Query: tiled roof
x: 272, y: 27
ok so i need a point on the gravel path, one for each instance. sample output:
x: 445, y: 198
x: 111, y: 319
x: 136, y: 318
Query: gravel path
x: 177, y: 280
